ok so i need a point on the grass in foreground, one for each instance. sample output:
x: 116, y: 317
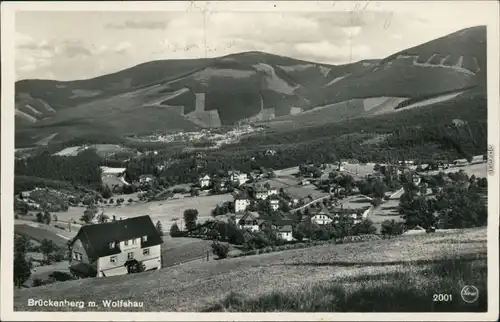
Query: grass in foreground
x: 408, y: 288
x: 359, y: 268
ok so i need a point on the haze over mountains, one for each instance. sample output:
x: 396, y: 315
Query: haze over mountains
x: 171, y: 95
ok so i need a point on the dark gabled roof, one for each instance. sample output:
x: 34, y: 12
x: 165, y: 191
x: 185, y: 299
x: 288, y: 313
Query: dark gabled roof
x: 96, y: 238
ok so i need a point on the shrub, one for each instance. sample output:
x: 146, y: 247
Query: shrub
x: 391, y: 227
x: 37, y: 282
x: 221, y: 250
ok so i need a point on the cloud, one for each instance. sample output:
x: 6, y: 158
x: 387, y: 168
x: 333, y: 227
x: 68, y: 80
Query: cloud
x: 123, y: 47
x: 328, y: 52
x: 131, y: 24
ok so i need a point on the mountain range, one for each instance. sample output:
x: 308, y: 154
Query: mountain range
x: 249, y: 87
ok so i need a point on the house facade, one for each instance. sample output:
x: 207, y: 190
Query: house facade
x: 110, y: 249
x: 248, y: 220
x: 238, y: 177
x: 275, y: 204
x: 204, y: 181
x: 241, y: 203
x: 321, y: 219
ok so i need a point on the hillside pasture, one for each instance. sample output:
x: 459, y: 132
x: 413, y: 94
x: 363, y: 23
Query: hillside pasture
x: 38, y: 232
x: 348, y: 277
x: 164, y: 211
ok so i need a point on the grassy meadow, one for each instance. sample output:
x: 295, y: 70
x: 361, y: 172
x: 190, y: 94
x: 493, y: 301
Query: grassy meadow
x: 398, y: 274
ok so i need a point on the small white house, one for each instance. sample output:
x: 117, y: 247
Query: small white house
x: 204, y: 181
x: 460, y: 162
x: 285, y: 232
x: 416, y: 179
x: 248, y: 220
x: 321, y: 219
x: 477, y: 159
x: 275, y: 204
x: 272, y: 192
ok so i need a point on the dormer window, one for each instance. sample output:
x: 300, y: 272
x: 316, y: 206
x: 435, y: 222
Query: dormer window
x: 144, y: 239
x: 112, y: 245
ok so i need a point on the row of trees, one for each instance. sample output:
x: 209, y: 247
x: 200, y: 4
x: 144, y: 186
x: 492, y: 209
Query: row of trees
x: 457, y: 204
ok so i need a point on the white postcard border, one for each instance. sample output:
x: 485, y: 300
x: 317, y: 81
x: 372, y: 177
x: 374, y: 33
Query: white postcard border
x: 490, y: 11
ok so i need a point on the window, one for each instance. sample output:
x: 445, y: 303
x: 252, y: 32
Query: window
x: 134, y: 241
x: 125, y: 243
x: 112, y: 245
x: 112, y: 259
x: 144, y: 239
x: 145, y: 251
x: 130, y: 256
x: 79, y: 256
x: 74, y: 255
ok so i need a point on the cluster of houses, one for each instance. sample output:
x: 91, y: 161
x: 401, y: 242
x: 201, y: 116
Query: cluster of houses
x: 234, y: 177
x: 283, y: 225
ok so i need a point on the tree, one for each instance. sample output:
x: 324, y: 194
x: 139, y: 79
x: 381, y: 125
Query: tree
x: 365, y: 227
x: 47, y: 218
x: 22, y: 267
x: 174, y: 230
x: 159, y: 228
x: 103, y: 218
x: 47, y: 247
x: 391, y: 227
x: 106, y: 192
x: 190, y: 218
x: 39, y: 217
x: 88, y: 215
x: 221, y: 250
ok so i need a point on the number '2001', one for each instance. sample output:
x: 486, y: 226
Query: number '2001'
x: 441, y: 297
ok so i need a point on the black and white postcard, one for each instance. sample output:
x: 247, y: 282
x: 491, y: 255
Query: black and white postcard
x: 250, y: 160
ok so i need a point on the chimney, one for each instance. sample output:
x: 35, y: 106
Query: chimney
x: 114, y: 218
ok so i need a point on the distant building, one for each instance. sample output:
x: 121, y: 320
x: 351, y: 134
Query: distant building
x: 241, y: 203
x: 460, y: 162
x: 305, y: 182
x: 321, y: 219
x: 477, y: 159
x: 282, y: 227
x: 146, y: 178
x: 275, y: 204
x: 114, y: 248
x: 238, y: 177
x: 416, y: 179
x: 204, y: 181
x: 260, y: 192
x: 117, y: 172
x: 248, y: 220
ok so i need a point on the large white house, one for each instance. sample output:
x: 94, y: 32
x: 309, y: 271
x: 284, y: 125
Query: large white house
x: 114, y: 248
x: 241, y: 203
x: 238, y: 177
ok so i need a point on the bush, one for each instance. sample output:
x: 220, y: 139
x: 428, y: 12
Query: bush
x: 37, y: 282
x: 221, y: 250
x: 391, y: 227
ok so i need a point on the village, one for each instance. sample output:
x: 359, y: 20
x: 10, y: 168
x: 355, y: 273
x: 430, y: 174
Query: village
x: 268, y: 208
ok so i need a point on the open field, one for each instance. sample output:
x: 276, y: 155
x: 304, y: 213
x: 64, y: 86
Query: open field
x: 362, y: 270
x: 183, y: 249
x: 39, y: 233
x: 164, y: 211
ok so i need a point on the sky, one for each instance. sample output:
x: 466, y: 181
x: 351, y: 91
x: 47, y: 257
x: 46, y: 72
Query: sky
x: 80, y: 45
